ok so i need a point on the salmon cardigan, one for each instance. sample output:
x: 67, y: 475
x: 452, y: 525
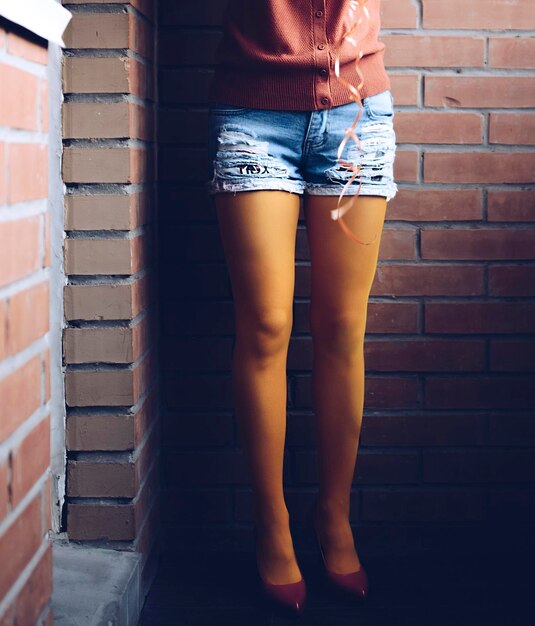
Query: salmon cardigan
x: 279, y: 54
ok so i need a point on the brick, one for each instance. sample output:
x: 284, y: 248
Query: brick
x: 478, y: 167
x: 106, y: 345
x: 37, y: 591
x: 3, y: 180
x: 143, y: 6
x: 3, y: 330
x: 189, y: 55
x: 436, y: 205
x: 27, y: 317
x: 100, y: 480
x: 110, y: 431
x: 35, y: 51
x: 401, y: 14
x: 511, y: 429
x: 517, y: 52
x: 495, y: 466
x: 511, y: 205
x: 415, y: 50
x: 477, y: 14
x: 209, y: 13
x: 28, y: 172
x: 207, y: 468
x: 171, y: 81
x: 486, y: 392
x: 19, y: 542
x: 418, y: 355
x: 105, y: 521
x: 510, y: 504
x: 183, y: 126
x: 100, y: 432
x: 512, y: 128
x: 427, y: 429
x: 370, y: 468
x: 404, y: 88
x: 197, y: 353
x: 200, y: 507
x: 205, y: 429
x: 107, y: 75
x: 511, y: 280
x: 198, y: 391
x: 479, y: 91
x: 104, y: 256
x: 98, y: 30
x: 380, y: 392
x: 18, y: 106
x: 479, y: 317
x: 406, y: 165
x: 96, y: 75
x: 96, y: 120
x: 117, y: 301
x: 21, y: 396
x: 43, y: 121
x: 428, y: 280
x: 437, y: 127
x: 106, y: 165
x: 422, y: 506
x: 478, y: 244
x: 31, y: 458
x: 106, y: 211
x: 512, y: 355
x: 107, y: 387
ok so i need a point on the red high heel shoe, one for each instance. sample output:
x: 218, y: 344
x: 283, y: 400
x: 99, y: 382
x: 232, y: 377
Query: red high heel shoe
x: 288, y: 597
x: 353, y: 584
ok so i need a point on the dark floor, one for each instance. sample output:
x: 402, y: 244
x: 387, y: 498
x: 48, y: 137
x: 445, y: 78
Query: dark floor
x: 223, y: 590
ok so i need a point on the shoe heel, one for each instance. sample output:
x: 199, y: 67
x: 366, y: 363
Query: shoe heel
x: 352, y: 584
x: 288, y: 598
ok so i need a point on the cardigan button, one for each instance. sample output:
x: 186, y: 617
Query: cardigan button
x: 319, y: 13
x: 323, y: 72
x: 325, y: 100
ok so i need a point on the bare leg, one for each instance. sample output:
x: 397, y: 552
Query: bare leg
x: 342, y: 275
x: 258, y: 230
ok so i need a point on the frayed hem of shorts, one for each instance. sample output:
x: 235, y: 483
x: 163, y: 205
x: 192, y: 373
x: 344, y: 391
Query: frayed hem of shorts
x: 277, y: 185
x: 335, y: 190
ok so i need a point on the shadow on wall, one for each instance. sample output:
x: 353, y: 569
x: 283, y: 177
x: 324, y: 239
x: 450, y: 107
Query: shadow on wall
x: 446, y: 455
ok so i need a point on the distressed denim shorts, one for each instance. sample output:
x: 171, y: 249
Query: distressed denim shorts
x: 297, y: 151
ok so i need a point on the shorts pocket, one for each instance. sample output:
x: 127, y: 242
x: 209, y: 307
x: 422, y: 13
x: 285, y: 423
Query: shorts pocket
x: 226, y: 109
x: 380, y: 105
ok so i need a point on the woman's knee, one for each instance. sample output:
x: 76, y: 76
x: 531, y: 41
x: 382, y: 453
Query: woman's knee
x: 339, y: 333
x: 265, y: 332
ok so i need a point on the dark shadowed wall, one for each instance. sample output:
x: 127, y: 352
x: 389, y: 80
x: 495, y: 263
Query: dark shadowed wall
x: 447, y: 446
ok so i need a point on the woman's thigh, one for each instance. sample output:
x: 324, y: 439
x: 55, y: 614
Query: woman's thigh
x: 258, y: 231
x: 342, y: 270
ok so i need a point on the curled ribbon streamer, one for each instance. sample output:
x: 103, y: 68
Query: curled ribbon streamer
x: 336, y: 214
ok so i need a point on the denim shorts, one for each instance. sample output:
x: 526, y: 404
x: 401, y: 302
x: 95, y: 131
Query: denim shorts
x: 297, y: 151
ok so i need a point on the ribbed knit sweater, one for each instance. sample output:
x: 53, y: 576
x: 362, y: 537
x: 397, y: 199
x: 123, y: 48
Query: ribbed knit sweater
x: 279, y: 54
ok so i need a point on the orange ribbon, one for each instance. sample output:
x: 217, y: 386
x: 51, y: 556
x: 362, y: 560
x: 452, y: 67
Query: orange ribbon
x: 357, y: 8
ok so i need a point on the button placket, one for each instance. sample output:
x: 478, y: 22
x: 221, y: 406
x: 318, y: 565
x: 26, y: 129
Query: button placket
x: 321, y: 54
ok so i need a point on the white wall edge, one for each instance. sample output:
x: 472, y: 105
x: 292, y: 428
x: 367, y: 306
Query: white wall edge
x: 45, y: 18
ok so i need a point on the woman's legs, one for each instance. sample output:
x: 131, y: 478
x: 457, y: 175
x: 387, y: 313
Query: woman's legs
x: 258, y: 231
x: 342, y: 275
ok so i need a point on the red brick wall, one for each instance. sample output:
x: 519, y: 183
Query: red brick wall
x: 25, y: 508
x: 110, y: 339
x: 447, y: 445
